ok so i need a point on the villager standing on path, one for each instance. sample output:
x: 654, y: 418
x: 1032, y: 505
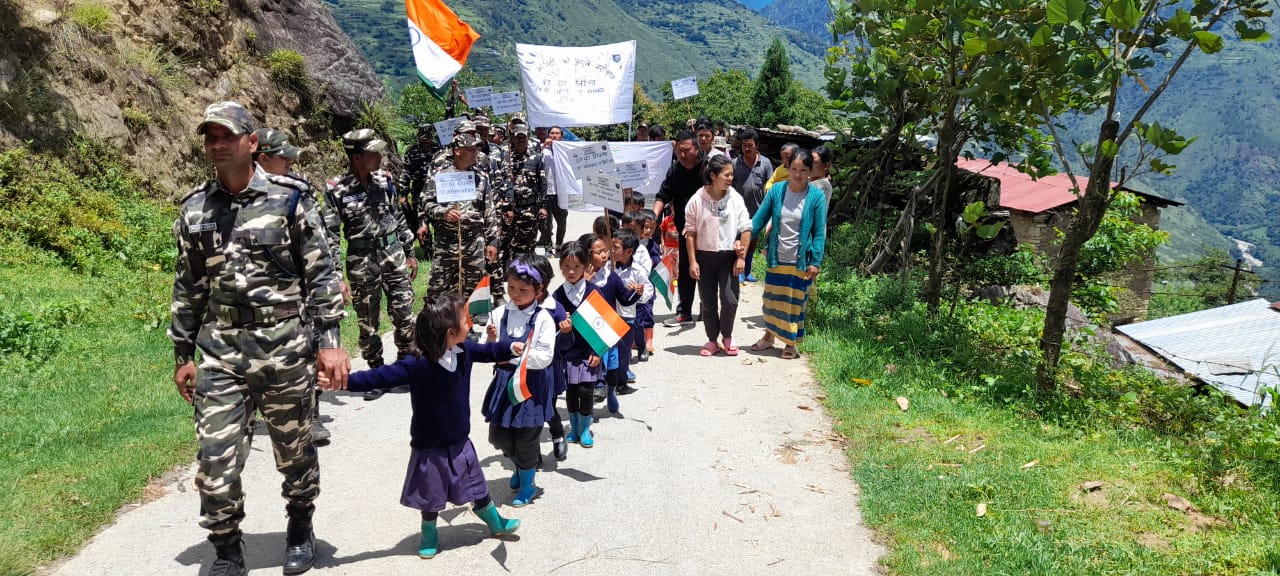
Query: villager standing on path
x: 251, y: 254
x: 717, y: 231
x: 797, y: 212
x: 683, y: 180
x: 557, y: 201
x: 821, y: 175
x: 468, y: 232
x: 277, y: 156
x: 364, y: 205
x: 751, y: 170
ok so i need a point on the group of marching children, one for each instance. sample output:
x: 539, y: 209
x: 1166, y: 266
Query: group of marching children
x: 543, y: 345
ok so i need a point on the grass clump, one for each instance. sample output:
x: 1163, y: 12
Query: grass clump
x: 84, y: 209
x: 136, y: 118
x: 91, y: 17
x: 288, y: 69
x: 976, y: 434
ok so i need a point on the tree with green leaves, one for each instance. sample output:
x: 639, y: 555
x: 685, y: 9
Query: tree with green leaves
x: 772, y: 99
x: 1104, y: 50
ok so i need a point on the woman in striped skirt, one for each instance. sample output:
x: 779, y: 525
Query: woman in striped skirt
x: 794, y: 215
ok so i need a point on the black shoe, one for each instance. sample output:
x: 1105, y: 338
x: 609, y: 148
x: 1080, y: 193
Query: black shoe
x: 230, y: 561
x: 599, y: 394
x: 643, y: 355
x: 625, y: 389
x: 300, y: 546
x: 319, y: 434
x: 374, y: 394
x: 560, y: 448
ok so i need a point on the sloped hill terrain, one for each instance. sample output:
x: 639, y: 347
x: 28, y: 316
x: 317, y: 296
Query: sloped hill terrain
x: 674, y: 38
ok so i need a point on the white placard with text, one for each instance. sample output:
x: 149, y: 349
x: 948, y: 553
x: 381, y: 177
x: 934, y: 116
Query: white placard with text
x: 684, y: 87
x: 455, y: 186
x: 596, y: 156
x: 479, y: 97
x: 445, y: 128
x: 603, y: 189
x: 507, y: 103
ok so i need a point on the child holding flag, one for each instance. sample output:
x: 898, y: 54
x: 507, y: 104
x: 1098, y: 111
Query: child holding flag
x: 635, y: 276
x: 443, y: 466
x: 564, y: 338
x: 521, y: 397
x: 582, y: 362
x: 614, y: 293
x: 660, y: 276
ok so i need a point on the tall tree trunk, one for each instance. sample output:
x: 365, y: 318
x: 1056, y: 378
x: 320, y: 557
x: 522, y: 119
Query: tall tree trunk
x: 900, y: 237
x: 948, y: 148
x: 1089, y: 212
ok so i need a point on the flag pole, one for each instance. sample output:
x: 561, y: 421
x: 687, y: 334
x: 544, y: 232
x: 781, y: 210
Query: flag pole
x: 461, y: 278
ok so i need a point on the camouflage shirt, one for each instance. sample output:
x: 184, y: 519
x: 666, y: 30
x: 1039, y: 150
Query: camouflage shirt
x: 479, y: 217
x: 417, y: 165
x: 263, y: 247
x: 526, y: 181
x: 367, y: 213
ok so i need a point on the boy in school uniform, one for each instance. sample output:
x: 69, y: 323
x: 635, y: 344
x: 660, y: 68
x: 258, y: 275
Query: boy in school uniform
x: 636, y: 279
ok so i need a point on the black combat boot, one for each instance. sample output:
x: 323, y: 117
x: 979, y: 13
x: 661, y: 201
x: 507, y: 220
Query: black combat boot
x: 376, y: 393
x: 230, y: 560
x: 319, y: 434
x: 300, y: 544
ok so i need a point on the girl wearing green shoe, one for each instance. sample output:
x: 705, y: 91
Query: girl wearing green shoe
x: 443, y: 467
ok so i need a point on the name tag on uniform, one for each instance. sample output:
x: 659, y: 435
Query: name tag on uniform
x: 358, y: 198
x: 205, y: 227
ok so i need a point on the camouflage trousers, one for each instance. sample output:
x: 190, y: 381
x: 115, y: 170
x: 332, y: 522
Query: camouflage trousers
x: 371, y: 274
x: 445, y: 276
x: 270, y: 369
x: 521, y: 235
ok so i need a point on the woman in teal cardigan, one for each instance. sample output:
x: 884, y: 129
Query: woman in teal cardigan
x: 794, y: 213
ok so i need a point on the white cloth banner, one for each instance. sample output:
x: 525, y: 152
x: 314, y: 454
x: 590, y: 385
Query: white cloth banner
x: 655, y: 155
x: 578, y: 86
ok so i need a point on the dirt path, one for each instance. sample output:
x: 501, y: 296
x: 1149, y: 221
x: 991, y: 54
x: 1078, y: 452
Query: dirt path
x: 715, y: 466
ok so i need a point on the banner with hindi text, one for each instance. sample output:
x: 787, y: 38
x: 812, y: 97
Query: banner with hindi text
x: 578, y: 86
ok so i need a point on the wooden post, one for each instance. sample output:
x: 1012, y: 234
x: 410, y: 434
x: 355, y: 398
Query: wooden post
x: 461, y: 281
x: 1235, y: 279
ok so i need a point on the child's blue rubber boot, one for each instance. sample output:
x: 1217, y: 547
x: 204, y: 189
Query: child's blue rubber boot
x: 527, y: 488
x: 430, y: 543
x: 496, y: 523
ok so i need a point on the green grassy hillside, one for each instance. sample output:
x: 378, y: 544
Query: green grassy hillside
x: 807, y: 16
x: 674, y: 38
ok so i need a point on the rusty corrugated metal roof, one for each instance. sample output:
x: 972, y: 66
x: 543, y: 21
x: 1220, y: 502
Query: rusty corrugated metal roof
x: 1235, y: 348
x: 1019, y: 191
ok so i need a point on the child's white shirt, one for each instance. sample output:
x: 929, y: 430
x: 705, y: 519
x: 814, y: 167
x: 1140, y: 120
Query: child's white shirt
x: 541, y: 351
x: 450, y: 359
x: 634, y: 274
x: 576, y: 292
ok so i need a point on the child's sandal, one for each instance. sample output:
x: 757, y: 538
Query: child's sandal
x: 709, y: 349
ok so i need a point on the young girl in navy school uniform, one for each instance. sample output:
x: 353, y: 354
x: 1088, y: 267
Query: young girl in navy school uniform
x: 615, y: 293
x: 514, y: 424
x: 564, y: 338
x: 582, y: 365
x: 443, y: 466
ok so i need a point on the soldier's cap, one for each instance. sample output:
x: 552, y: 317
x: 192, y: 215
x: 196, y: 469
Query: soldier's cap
x: 519, y: 130
x: 500, y: 128
x: 272, y: 141
x: 362, y: 140
x: 518, y: 118
x: 465, y: 126
x: 719, y: 142
x: 229, y: 114
x: 481, y: 121
x: 465, y: 140
x: 426, y: 131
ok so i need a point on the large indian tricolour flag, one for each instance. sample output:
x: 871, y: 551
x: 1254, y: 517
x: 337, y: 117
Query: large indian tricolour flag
x: 441, y: 41
x: 596, y: 321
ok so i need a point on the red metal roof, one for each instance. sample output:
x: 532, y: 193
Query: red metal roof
x: 1019, y: 192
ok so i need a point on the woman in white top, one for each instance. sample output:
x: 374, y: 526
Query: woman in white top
x: 717, y: 229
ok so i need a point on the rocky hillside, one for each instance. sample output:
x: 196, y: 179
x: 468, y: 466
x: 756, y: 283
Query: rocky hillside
x: 136, y: 74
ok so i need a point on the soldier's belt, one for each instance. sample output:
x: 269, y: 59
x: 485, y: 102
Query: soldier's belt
x: 379, y: 242
x: 251, y: 315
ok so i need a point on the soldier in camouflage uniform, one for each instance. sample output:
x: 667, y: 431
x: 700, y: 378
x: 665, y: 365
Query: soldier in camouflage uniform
x: 417, y: 170
x: 466, y: 232
x: 251, y: 257
x: 364, y: 205
x: 523, y: 208
x: 277, y: 156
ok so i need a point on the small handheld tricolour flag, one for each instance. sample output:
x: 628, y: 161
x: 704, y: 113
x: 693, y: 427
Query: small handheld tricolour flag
x: 518, y: 386
x: 596, y: 321
x: 440, y: 40
x: 661, y: 278
x: 481, y: 300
